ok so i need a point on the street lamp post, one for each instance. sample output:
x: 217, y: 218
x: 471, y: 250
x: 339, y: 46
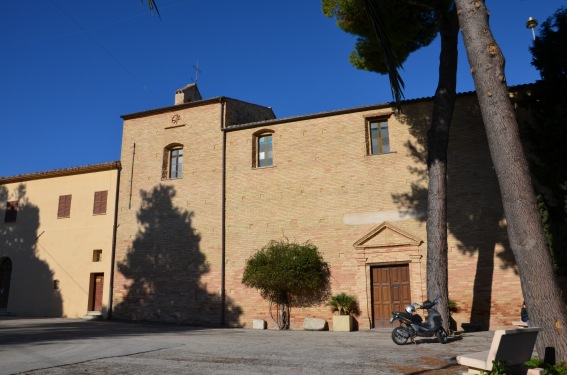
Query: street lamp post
x: 531, y: 24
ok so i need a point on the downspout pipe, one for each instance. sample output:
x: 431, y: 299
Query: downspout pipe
x: 223, y: 214
x: 113, y: 252
x: 132, y: 174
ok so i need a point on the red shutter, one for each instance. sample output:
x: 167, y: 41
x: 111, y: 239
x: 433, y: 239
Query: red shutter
x: 11, y: 212
x: 61, y: 207
x: 100, y: 202
x: 64, y: 209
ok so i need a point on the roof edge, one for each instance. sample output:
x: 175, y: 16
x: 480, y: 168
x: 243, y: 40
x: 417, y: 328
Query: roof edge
x: 62, y: 172
x: 306, y: 117
x: 155, y: 111
x: 352, y: 110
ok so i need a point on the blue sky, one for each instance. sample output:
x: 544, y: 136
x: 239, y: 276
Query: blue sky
x: 71, y: 68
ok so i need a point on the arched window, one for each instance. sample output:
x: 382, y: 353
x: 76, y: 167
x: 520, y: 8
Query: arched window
x: 263, y: 150
x: 172, y: 161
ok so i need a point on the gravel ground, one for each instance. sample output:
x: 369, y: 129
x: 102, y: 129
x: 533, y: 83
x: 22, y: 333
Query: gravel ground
x: 69, y: 346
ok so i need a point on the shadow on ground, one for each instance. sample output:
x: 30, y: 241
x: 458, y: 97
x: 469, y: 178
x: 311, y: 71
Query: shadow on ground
x: 20, y: 330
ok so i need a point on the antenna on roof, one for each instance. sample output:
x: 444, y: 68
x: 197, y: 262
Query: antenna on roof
x: 197, y: 71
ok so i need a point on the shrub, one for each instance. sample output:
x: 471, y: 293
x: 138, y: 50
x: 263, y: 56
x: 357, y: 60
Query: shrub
x: 288, y: 274
x: 558, y: 369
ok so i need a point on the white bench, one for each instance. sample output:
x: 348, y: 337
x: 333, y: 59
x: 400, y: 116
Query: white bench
x: 520, y: 324
x: 514, y: 346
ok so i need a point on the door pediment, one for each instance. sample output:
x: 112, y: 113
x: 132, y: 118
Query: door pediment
x: 387, y: 235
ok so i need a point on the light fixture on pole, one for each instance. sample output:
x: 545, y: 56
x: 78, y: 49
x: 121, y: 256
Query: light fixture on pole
x: 531, y: 24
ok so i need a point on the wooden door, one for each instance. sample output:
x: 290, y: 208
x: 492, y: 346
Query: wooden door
x: 390, y: 292
x: 97, y: 281
x: 5, y: 276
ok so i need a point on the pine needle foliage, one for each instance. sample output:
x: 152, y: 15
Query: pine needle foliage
x: 153, y: 6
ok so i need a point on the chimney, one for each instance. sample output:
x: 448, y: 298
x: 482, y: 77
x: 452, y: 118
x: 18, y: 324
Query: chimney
x: 187, y: 94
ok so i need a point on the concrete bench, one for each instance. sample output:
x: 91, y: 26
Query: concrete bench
x: 520, y: 324
x: 514, y: 346
x: 470, y: 327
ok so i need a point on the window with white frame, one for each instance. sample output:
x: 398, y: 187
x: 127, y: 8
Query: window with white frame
x: 379, y: 138
x: 265, y: 151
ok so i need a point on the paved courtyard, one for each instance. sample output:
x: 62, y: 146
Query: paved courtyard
x: 70, y: 346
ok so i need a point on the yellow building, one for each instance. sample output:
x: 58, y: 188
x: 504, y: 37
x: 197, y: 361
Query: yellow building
x: 56, y: 241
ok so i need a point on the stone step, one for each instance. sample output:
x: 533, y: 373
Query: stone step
x: 93, y: 315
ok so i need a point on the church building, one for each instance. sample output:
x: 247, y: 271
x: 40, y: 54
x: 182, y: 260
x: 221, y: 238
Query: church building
x: 208, y: 182
x: 163, y: 235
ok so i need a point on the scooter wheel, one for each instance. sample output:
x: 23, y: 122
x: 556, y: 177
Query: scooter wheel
x: 441, y: 336
x: 399, y: 336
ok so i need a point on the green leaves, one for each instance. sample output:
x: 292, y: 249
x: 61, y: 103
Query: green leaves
x: 344, y: 303
x: 545, y: 137
x: 289, y: 273
x: 388, y: 32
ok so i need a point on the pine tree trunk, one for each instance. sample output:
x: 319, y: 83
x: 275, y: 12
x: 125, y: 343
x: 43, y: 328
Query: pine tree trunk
x: 437, y: 141
x: 525, y: 231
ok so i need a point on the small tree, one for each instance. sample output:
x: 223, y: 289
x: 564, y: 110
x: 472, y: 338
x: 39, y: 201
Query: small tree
x: 288, y: 274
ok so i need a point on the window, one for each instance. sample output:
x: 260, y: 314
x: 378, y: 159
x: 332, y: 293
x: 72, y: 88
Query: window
x: 100, y: 202
x: 11, y: 212
x: 97, y: 255
x: 64, y: 209
x: 176, y: 163
x: 265, y: 154
x: 172, y: 161
x: 379, y: 138
x: 263, y: 148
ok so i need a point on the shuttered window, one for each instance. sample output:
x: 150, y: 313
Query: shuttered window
x: 64, y: 209
x: 97, y: 255
x: 11, y: 212
x: 99, y: 207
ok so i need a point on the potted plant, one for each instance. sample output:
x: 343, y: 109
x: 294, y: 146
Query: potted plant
x: 345, y: 305
x: 453, y: 308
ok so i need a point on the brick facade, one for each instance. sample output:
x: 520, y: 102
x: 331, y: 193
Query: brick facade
x: 361, y: 210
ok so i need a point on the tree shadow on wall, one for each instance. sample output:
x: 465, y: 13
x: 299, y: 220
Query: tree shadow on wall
x: 164, y: 267
x: 474, y: 208
x: 29, y: 290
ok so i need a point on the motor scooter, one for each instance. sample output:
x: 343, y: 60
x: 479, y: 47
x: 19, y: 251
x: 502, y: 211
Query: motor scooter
x: 412, y: 325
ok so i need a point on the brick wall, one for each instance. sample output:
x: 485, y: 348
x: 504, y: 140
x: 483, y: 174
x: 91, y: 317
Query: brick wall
x: 322, y: 179
x: 168, y: 242
x: 323, y: 188
x: 168, y: 256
